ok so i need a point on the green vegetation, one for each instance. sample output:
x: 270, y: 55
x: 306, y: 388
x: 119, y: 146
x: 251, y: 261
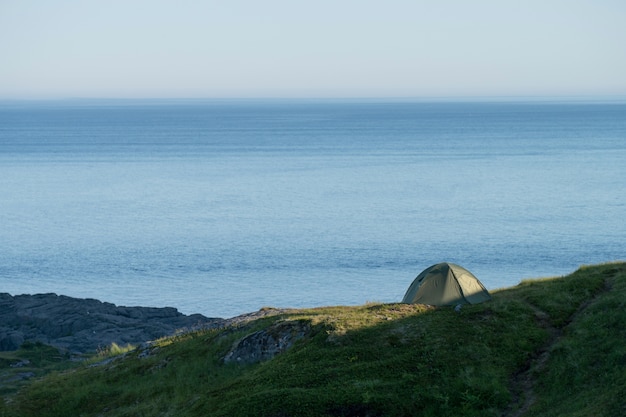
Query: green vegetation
x: 114, y: 350
x: 550, y: 347
x: 17, y: 368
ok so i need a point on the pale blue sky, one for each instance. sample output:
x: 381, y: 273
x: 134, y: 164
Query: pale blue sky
x: 274, y: 48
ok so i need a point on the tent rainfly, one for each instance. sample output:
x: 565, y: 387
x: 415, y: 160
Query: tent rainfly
x: 446, y: 284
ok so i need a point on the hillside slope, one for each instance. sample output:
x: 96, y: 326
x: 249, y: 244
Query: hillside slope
x: 549, y: 347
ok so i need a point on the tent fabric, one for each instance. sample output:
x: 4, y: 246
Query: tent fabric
x: 446, y: 284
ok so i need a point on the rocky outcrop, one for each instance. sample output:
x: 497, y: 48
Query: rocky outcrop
x: 267, y: 343
x: 83, y: 325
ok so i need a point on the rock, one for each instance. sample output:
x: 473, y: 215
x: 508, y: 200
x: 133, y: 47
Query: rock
x: 20, y: 364
x: 247, y: 317
x: 266, y: 344
x: 20, y: 377
x: 10, y: 339
x: 83, y: 325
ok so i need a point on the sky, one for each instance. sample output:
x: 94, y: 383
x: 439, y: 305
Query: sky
x: 291, y: 48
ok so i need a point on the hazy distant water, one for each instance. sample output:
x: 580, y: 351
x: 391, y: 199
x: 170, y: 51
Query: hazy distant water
x: 224, y: 207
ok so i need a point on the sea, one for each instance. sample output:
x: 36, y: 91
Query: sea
x: 223, y: 207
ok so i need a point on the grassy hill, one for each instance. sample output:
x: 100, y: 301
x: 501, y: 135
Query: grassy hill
x: 548, y: 347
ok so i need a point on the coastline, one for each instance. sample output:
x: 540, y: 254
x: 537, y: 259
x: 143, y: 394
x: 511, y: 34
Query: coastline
x: 83, y: 325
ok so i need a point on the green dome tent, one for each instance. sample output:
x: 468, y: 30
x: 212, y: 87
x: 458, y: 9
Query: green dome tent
x: 446, y: 284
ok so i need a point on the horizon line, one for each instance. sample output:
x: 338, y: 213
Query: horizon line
x: 424, y: 99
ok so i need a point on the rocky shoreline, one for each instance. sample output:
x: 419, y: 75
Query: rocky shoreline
x: 84, y: 325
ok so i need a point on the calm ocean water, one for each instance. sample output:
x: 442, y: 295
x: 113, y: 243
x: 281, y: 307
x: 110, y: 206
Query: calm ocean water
x: 222, y: 207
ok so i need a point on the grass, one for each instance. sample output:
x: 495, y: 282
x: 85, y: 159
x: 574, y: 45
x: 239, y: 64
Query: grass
x: 32, y: 360
x: 111, y: 351
x: 550, y: 347
x: 591, y: 354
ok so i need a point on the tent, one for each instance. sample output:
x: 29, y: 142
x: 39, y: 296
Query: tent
x: 446, y: 284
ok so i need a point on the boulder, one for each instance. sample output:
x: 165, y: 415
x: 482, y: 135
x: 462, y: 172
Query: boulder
x: 267, y: 343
